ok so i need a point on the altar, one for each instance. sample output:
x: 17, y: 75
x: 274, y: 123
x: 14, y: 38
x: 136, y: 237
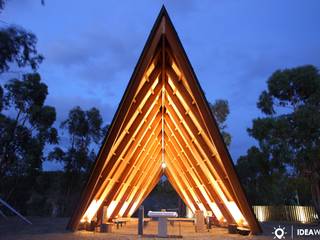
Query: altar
x: 162, y: 221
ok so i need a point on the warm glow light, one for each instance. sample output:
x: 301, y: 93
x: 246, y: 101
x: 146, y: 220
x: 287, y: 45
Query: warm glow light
x: 150, y: 69
x: 183, y: 192
x: 216, y: 211
x: 91, y: 211
x: 136, y: 113
x: 111, y: 207
x: 235, y: 212
x: 163, y: 165
x: 145, y: 78
x: 135, y: 168
x: 135, y: 164
x: 176, y: 69
x: 193, y: 117
x: 133, y: 208
x: 141, y: 168
x: 116, y: 167
x: 123, y: 208
x: 232, y: 207
x: 302, y: 214
x: 142, y: 187
x: 261, y: 213
x: 203, y: 209
x: 213, y: 206
x: 189, y: 213
x: 181, y: 77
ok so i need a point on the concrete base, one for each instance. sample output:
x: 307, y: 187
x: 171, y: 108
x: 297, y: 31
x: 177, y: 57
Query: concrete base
x: 162, y: 227
x: 106, y: 227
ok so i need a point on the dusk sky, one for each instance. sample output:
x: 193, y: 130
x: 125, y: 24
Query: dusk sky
x: 91, y: 48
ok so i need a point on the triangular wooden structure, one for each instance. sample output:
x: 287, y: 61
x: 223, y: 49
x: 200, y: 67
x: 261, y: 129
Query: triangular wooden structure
x: 164, y: 125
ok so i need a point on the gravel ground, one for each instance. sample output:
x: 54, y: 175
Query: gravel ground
x: 54, y: 228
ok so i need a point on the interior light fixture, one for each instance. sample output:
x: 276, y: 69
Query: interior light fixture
x: 163, y: 165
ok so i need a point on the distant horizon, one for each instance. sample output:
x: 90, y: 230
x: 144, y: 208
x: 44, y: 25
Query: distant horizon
x: 233, y: 47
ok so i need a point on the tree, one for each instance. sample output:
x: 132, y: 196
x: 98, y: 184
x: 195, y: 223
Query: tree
x: 220, y: 110
x: 18, y: 47
x: 290, y: 131
x: 269, y: 183
x: 84, y: 129
x: 27, y: 128
x: 25, y: 121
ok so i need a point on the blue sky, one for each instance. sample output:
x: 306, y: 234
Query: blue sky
x: 91, y: 48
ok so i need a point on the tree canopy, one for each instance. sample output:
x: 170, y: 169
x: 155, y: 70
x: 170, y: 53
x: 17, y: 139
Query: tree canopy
x: 83, y: 128
x: 220, y: 110
x: 27, y: 127
x: 18, y: 47
x: 289, y: 133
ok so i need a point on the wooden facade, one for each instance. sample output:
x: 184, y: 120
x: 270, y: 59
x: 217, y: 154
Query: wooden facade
x: 293, y: 213
x: 164, y: 126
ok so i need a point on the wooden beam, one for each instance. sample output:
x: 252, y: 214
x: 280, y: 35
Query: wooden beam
x: 140, y: 178
x: 191, y: 201
x: 176, y: 110
x: 188, y: 169
x: 150, y: 187
x: 142, y: 189
x: 185, y: 96
x: 133, y: 189
x: 198, y: 164
x: 91, y: 187
x: 186, y: 68
x: 179, y: 169
x: 177, y: 189
x: 129, y: 173
x: 204, y: 177
x: 133, y: 154
x: 139, y: 121
x: 138, y: 99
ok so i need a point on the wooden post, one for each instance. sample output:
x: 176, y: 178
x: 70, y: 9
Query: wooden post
x: 105, y: 226
x: 140, y: 222
x: 104, y: 217
x: 199, y: 221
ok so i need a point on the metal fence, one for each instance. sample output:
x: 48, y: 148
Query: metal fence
x: 303, y: 214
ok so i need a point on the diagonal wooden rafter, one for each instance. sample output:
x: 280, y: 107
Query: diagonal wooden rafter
x: 143, y: 172
x: 154, y: 170
x: 130, y: 172
x: 163, y: 126
x: 192, y: 188
x: 149, y: 108
x: 202, y: 175
x: 195, y: 141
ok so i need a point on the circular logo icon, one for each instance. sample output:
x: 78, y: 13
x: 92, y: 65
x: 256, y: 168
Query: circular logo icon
x: 279, y: 232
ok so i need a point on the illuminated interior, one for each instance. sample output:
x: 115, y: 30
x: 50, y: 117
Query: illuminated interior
x: 164, y: 127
